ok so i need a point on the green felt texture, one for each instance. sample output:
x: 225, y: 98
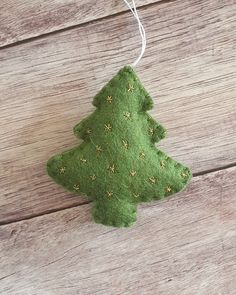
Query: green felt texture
x: 118, y: 166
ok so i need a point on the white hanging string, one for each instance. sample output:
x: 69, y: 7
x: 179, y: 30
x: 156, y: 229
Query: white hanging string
x: 141, y: 30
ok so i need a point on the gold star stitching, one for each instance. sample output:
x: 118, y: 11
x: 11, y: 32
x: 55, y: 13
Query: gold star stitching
x: 130, y: 88
x: 109, y: 194
x: 168, y: 189
x: 62, y: 170
x: 76, y: 187
x: 184, y: 174
x: 83, y: 160
x: 88, y: 130
x: 162, y: 164
x: 152, y: 180
x: 142, y: 155
x: 109, y: 98
x: 93, y: 177
x: 108, y: 127
x: 127, y: 115
x: 136, y: 195
x: 125, y: 144
x: 151, y: 131
x: 111, y: 168
x: 132, y: 173
x: 98, y: 149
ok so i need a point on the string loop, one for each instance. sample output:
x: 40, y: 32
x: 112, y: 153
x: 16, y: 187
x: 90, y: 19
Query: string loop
x: 141, y: 30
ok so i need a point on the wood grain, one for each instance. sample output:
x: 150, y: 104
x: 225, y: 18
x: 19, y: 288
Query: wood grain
x: 184, y: 245
x: 47, y: 86
x: 28, y: 19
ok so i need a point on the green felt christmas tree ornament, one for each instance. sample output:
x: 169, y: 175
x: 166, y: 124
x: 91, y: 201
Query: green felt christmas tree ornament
x: 118, y: 166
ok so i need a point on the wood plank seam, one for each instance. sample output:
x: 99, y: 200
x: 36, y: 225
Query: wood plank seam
x: 82, y: 24
x: 214, y: 169
x: 195, y: 175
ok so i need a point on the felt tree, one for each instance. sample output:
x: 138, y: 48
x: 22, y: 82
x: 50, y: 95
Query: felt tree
x: 117, y: 165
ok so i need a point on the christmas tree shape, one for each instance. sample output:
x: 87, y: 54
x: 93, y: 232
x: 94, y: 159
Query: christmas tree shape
x: 117, y: 165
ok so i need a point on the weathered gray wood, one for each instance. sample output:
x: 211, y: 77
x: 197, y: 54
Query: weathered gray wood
x: 47, y: 86
x: 26, y: 19
x: 184, y: 245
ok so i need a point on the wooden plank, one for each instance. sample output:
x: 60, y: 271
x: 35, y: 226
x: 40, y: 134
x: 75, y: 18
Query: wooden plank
x: 184, y: 245
x: 28, y: 19
x: 47, y: 86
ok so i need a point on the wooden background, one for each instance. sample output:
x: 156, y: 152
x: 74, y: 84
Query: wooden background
x: 54, y: 57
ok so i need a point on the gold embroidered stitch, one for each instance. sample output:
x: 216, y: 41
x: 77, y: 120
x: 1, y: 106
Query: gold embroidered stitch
x: 130, y: 88
x: 152, y: 180
x: 151, y: 131
x: 109, y: 194
x: 108, y: 127
x: 184, y: 175
x: 127, y: 115
x: 132, y: 173
x: 111, y: 168
x: 93, y: 177
x: 136, y: 195
x: 168, y: 189
x: 142, y: 155
x: 98, y: 149
x: 62, y: 170
x: 76, y: 187
x: 88, y: 130
x: 125, y: 144
x: 163, y: 164
x: 109, y: 98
